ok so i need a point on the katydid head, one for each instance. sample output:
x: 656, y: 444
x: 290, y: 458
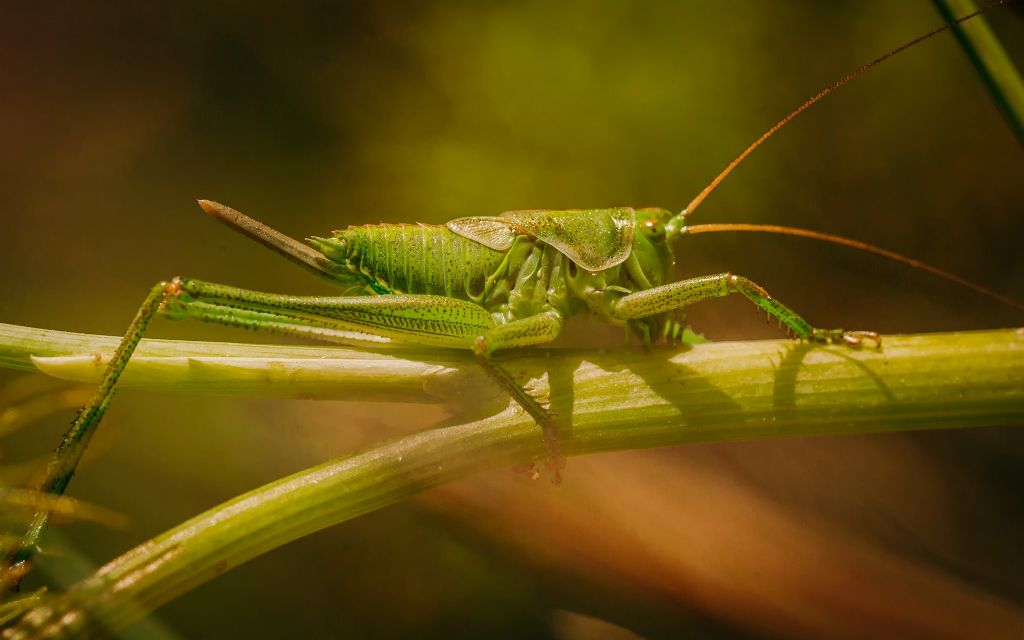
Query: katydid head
x: 651, y: 245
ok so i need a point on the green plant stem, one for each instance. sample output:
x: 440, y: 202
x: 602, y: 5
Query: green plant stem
x: 990, y: 60
x: 74, y: 563
x: 239, y: 369
x: 618, y: 400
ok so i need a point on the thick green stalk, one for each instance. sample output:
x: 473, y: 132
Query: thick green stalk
x: 249, y: 369
x: 617, y: 400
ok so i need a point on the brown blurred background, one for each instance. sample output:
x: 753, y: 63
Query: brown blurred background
x: 115, y: 118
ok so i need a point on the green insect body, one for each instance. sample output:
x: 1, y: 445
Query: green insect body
x: 482, y: 283
x: 518, y: 265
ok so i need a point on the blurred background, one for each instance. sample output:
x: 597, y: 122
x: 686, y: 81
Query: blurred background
x: 116, y: 117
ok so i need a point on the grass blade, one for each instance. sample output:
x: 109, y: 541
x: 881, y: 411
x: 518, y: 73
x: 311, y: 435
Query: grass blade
x: 990, y: 60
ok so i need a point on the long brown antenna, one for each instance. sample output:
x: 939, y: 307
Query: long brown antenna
x: 855, y: 244
x: 824, y: 92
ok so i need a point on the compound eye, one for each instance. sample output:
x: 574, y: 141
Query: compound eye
x: 653, y: 228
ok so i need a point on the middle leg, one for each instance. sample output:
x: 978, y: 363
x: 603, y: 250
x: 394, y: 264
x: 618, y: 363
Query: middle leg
x: 533, y: 330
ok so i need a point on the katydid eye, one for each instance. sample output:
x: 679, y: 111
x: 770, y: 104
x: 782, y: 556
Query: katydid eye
x: 653, y: 228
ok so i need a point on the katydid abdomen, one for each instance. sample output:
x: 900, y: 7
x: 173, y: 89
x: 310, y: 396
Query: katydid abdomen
x: 414, y: 258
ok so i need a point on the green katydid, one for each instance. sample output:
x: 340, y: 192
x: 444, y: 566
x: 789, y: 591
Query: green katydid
x: 484, y: 284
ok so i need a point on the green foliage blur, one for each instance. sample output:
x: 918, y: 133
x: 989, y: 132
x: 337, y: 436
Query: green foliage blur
x: 116, y: 117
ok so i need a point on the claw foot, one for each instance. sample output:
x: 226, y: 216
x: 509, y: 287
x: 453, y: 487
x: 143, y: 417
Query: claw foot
x: 852, y: 339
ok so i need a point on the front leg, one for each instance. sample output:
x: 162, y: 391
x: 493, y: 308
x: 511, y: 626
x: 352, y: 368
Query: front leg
x: 679, y: 294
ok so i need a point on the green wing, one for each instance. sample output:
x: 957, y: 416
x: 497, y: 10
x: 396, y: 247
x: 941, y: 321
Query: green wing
x: 595, y: 239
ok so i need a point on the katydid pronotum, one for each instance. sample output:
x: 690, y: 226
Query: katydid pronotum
x: 484, y: 284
